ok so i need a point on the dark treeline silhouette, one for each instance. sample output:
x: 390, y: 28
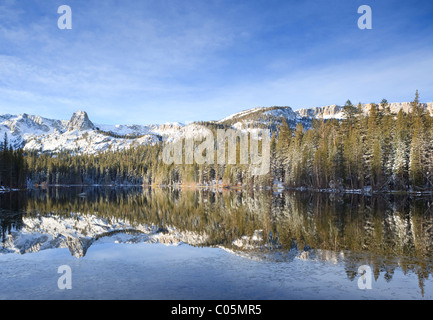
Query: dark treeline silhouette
x: 13, y: 171
x: 377, y: 151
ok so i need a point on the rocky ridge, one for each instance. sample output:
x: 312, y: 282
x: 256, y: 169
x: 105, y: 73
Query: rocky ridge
x: 80, y: 135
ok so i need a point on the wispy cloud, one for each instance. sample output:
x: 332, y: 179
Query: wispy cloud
x: 157, y: 61
x: 363, y: 80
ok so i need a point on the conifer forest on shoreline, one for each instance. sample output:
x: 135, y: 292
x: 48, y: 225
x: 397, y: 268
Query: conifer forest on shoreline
x: 378, y: 152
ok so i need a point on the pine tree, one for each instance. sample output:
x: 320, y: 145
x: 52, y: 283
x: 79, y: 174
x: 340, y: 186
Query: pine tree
x: 350, y: 112
x: 282, y: 150
x: 416, y: 153
x: 373, y: 148
x: 401, y: 151
x: 386, y: 132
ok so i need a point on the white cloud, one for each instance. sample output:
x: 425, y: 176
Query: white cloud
x: 173, y: 60
x: 395, y: 78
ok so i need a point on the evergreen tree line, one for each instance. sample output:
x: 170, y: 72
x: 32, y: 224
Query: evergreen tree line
x: 380, y: 150
x: 140, y: 165
x: 109, y: 168
x: 12, y: 166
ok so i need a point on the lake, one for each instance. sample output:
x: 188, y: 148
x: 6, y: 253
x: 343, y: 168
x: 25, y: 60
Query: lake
x: 206, y: 244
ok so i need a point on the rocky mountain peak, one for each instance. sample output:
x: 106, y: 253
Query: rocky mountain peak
x: 80, y: 121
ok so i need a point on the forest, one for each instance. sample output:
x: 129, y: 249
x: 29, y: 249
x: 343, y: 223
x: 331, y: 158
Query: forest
x: 13, y: 166
x: 378, y: 151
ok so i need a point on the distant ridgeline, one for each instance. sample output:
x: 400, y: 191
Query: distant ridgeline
x: 121, y: 136
x: 363, y: 148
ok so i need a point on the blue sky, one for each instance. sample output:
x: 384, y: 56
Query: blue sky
x: 157, y: 61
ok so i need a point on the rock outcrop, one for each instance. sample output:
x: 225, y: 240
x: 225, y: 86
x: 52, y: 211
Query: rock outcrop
x: 80, y: 121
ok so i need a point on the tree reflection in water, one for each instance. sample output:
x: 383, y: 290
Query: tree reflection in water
x: 385, y: 232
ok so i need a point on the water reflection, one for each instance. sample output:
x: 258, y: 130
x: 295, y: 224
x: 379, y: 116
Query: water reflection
x: 384, y: 232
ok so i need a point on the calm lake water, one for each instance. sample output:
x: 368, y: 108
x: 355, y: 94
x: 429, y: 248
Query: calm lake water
x: 141, y: 243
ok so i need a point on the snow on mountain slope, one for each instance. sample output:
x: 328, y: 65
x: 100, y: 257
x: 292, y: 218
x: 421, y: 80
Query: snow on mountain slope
x: 285, y: 112
x: 87, y: 142
x: 22, y: 127
x: 336, y: 112
x: 80, y: 121
x: 242, y: 114
x: 78, y: 134
x: 81, y: 135
x: 260, y: 112
x: 270, y: 118
x: 328, y: 112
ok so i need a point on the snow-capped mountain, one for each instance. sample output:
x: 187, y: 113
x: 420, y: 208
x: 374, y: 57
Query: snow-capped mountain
x: 272, y: 117
x: 263, y: 117
x: 80, y: 121
x: 81, y: 135
x: 286, y: 112
x: 336, y: 112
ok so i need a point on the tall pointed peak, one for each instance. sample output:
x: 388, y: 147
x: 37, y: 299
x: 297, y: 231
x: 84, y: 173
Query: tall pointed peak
x: 80, y: 121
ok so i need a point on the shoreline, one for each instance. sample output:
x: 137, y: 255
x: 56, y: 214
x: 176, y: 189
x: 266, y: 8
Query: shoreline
x: 220, y: 188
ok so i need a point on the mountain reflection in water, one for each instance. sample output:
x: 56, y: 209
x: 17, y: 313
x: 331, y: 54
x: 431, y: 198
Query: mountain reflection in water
x: 385, y: 232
